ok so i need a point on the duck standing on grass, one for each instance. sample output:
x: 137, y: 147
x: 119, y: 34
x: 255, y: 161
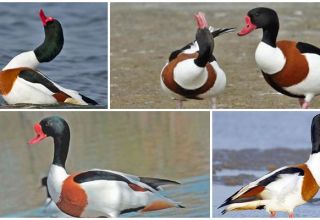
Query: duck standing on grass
x: 96, y: 192
x: 192, y: 72
x: 290, y: 67
x: 285, y: 188
x: 21, y: 82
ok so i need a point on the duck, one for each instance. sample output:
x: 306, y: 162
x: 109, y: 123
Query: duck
x: 193, y: 72
x: 282, y: 189
x: 22, y: 82
x: 289, y: 67
x: 96, y: 192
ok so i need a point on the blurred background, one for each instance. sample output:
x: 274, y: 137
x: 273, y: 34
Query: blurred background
x: 82, y: 63
x: 249, y: 144
x: 173, y: 145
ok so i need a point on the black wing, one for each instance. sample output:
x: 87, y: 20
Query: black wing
x: 35, y: 77
x: 308, y: 48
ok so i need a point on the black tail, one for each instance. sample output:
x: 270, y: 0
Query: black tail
x: 155, y: 182
x: 223, y: 212
x: 220, y: 31
x: 88, y: 100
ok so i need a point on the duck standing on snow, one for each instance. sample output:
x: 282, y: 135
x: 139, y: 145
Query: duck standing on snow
x: 96, y: 192
x: 292, y: 68
x: 192, y: 71
x: 285, y: 188
x: 21, y: 82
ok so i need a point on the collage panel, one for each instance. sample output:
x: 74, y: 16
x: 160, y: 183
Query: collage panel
x: 54, y: 55
x: 136, y: 153
x: 258, y: 62
x: 265, y: 164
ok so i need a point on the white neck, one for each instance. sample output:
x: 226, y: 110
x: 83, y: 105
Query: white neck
x: 55, y: 180
x: 26, y: 59
x: 314, y: 166
x: 189, y: 76
x: 269, y: 59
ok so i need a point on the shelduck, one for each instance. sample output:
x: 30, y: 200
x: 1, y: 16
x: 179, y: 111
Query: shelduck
x: 285, y: 188
x: 96, y: 192
x: 21, y: 82
x: 290, y: 67
x: 192, y: 72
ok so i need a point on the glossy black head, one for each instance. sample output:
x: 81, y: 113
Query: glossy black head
x: 53, y: 42
x: 57, y: 128
x: 54, y: 126
x: 265, y: 18
x: 315, y: 134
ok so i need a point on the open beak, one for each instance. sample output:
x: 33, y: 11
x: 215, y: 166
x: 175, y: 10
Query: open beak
x: 248, y: 28
x: 44, y: 18
x: 39, y: 134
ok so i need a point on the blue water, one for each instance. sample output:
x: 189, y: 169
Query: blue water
x: 267, y: 129
x: 82, y: 63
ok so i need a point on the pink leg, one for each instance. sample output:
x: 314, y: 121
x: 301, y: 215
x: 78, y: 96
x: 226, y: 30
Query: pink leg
x: 291, y: 215
x: 305, y: 105
x: 179, y: 104
x: 273, y: 214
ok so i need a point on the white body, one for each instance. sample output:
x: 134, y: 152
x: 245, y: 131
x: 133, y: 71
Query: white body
x: 284, y: 194
x: 105, y: 198
x: 26, y: 59
x: 271, y: 60
x: 27, y: 92
x: 189, y: 76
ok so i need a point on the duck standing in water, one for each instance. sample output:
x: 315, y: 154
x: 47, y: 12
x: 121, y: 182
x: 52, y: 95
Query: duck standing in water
x: 290, y: 67
x: 21, y: 82
x: 285, y: 188
x: 192, y: 72
x: 96, y: 192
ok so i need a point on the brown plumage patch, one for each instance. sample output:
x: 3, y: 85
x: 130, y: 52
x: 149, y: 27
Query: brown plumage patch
x: 157, y: 205
x: 61, y: 96
x: 255, y: 191
x: 296, y: 67
x: 168, y: 79
x: 309, y: 184
x: 7, y: 79
x: 73, y: 198
x: 136, y: 188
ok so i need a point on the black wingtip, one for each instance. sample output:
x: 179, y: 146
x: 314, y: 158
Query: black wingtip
x: 220, y: 31
x: 88, y: 100
x: 181, y: 206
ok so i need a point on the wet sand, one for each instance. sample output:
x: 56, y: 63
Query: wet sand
x: 143, y: 35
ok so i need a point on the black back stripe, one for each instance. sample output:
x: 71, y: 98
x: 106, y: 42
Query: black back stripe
x: 315, y: 134
x: 93, y: 175
x: 308, y: 48
x: 275, y: 176
x: 175, y: 53
x: 35, y: 77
